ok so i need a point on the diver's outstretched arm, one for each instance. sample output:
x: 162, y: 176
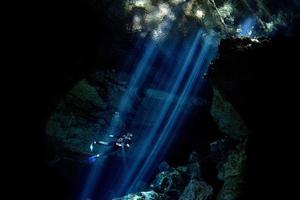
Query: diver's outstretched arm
x: 102, y: 142
x: 99, y: 143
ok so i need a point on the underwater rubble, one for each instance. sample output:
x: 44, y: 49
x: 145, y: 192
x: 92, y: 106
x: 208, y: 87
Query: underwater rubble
x: 187, y: 183
x: 176, y: 183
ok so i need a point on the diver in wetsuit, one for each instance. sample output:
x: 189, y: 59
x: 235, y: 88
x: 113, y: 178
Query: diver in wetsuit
x: 121, y: 142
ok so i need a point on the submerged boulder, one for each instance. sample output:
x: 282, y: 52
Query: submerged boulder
x: 196, y: 190
x: 171, y: 181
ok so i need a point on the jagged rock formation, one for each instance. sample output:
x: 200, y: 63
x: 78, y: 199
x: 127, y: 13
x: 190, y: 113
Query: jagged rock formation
x: 182, y: 182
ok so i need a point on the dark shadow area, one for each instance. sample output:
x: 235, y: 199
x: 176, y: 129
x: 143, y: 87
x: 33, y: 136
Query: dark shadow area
x: 261, y: 84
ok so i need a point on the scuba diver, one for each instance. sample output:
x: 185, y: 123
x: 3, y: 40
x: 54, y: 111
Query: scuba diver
x: 117, y: 144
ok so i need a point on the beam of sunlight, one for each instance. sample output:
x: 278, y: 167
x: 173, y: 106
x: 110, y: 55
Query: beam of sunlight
x: 168, y: 129
x: 208, y: 53
x: 160, y: 112
x: 138, y: 76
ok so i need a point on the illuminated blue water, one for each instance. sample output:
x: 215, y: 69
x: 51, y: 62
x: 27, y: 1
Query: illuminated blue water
x: 173, y: 70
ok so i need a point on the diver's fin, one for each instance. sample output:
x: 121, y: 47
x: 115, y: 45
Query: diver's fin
x: 94, y: 157
x: 92, y: 146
